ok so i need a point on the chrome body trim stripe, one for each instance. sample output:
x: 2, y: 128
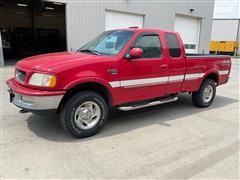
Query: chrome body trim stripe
x: 223, y: 72
x: 159, y: 80
x: 226, y: 62
x: 193, y: 76
x: 141, y: 85
x: 178, y: 78
x: 144, y: 81
x: 153, y: 81
x: 115, y: 84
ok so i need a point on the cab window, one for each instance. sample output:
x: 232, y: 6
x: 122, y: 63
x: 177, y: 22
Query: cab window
x: 173, y: 45
x: 108, y: 43
x: 150, y: 44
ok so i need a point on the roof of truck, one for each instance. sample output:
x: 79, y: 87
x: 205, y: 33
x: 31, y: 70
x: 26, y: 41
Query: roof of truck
x: 137, y: 29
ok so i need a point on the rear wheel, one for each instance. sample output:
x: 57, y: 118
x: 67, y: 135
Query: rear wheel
x: 84, y: 114
x: 205, y: 96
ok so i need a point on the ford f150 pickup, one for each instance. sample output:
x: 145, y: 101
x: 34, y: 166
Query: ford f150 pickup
x: 125, y: 68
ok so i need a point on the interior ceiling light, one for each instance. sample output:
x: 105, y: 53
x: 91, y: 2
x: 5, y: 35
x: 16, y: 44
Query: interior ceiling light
x: 22, y: 5
x: 49, y: 8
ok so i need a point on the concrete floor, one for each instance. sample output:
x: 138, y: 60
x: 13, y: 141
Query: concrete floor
x: 173, y: 140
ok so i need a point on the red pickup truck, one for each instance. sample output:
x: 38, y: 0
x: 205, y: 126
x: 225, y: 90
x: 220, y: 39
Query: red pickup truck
x: 125, y: 68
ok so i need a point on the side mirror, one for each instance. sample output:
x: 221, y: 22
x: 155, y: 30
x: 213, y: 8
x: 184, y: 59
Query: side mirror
x: 136, y: 53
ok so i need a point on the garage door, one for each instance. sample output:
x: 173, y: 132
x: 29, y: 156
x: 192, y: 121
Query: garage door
x: 114, y: 20
x: 1, y: 51
x: 189, y: 28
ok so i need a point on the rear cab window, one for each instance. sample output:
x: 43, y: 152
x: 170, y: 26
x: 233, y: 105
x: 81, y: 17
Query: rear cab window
x: 173, y: 45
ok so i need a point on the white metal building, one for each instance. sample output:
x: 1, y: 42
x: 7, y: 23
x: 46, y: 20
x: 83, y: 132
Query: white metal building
x: 86, y: 19
x: 227, y: 30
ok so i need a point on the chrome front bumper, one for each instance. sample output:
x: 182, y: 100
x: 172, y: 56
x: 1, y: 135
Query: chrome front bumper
x: 35, y: 103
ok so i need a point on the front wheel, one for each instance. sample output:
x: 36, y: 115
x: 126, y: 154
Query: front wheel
x: 84, y: 114
x: 205, y: 96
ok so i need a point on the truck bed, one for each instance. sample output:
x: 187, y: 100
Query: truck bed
x: 199, y: 64
x: 191, y: 56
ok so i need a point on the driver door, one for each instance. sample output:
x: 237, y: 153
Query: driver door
x: 146, y: 77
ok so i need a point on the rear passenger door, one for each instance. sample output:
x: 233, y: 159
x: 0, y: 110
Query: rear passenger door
x: 176, y: 63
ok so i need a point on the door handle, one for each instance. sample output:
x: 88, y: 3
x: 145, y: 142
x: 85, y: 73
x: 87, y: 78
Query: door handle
x: 164, y: 66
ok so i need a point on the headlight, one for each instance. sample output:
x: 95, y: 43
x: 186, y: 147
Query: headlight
x: 44, y: 80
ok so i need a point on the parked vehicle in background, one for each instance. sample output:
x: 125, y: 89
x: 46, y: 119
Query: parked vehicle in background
x: 124, y: 68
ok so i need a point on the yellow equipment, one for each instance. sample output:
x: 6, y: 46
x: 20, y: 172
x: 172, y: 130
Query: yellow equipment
x: 223, y: 46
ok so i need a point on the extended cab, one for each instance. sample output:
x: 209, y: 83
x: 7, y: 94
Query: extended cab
x: 124, y: 68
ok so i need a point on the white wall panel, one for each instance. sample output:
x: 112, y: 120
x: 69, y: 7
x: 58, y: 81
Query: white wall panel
x: 189, y: 29
x: 224, y: 30
x: 114, y: 20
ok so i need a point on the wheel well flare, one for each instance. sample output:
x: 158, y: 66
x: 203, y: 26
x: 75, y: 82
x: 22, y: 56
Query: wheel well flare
x: 213, y: 76
x: 92, y: 86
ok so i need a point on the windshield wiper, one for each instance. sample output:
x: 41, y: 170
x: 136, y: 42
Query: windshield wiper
x: 91, y: 51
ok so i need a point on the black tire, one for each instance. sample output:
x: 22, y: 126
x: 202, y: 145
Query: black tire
x: 67, y: 114
x: 198, y: 97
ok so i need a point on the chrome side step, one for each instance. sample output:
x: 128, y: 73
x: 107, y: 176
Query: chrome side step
x: 153, y: 103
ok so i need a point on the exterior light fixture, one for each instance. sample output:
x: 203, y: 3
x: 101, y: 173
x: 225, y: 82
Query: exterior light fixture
x: 49, y: 8
x: 22, y: 5
x: 58, y: 3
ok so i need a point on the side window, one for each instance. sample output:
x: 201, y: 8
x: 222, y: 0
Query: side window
x: 150, y: 45
x: 173, y: 45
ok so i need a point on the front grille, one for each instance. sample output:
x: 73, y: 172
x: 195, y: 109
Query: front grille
x: 20, y: 75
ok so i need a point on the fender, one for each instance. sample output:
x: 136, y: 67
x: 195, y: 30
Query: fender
x: 88, y: 80
x: 114, y: 94
x: 210, y: 71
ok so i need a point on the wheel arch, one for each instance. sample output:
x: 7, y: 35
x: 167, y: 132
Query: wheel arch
x: 210, y: 75
x: 213, y: 75
x: 90, y: 86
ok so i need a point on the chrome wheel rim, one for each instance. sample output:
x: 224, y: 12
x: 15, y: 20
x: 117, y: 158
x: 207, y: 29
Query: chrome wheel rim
x: 207, y: 93
x: 87, y: 115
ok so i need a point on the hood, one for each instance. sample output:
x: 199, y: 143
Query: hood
x: 47, y: 62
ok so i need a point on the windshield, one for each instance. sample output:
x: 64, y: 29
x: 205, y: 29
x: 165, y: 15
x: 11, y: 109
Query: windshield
x: 108, y: 43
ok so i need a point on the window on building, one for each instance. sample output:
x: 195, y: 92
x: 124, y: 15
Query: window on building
x: 190, y: 46
x: 150, y: 44
x: 173, y: 45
